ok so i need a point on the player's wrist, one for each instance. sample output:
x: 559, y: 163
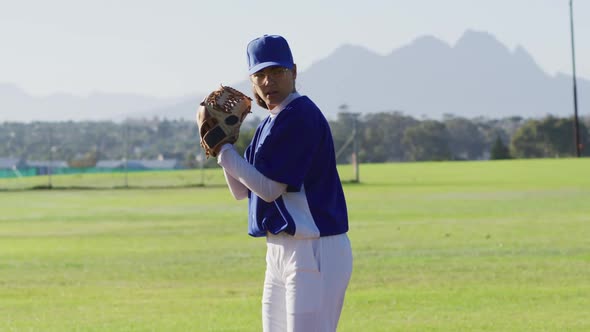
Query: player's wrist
x: 224, y: 147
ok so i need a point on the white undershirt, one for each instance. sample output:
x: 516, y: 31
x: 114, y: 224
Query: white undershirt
x: 242, y: 176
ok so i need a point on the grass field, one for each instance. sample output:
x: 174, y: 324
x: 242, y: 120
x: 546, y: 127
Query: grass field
x: 451, y: 246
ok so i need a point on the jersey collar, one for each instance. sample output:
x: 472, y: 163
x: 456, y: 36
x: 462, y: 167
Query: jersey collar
x: 275, y: 111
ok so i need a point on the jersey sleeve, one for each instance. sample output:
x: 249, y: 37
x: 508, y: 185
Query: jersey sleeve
x: 287, y: 153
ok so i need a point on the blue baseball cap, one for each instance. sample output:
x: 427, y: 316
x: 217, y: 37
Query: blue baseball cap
x: 268, y: 50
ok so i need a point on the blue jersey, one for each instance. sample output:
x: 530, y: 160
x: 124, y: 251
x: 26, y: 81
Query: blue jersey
x: 296, y: 148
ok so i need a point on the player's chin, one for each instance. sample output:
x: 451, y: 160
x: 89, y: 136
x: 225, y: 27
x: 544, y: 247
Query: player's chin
x: 273, y: 98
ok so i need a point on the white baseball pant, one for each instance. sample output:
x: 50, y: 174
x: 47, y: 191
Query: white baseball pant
x: 305, y: 283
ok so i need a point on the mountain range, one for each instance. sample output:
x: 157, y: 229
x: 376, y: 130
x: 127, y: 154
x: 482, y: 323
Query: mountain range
x: 477, y: 76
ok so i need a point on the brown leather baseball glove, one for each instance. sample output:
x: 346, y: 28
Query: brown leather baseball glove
x: 220, y: 116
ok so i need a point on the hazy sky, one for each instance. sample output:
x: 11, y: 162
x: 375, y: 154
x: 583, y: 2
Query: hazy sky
x: 177, y: 47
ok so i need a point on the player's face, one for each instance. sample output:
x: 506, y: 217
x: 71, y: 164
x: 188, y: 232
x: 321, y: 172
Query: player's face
x: 274, y: 84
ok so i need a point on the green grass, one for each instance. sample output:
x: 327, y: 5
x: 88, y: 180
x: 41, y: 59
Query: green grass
x: 450, y: 246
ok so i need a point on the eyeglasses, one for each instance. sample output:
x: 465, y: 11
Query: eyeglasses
x: 275, y: 74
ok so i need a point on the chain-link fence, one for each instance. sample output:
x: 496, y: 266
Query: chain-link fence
x: 133, y: 154
x: 146, y: 153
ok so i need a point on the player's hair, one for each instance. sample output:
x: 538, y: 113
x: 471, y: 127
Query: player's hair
x: 259, y: 99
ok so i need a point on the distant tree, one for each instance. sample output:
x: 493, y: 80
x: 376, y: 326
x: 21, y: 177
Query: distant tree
x: 381, y: 136
x: 165, y: 129
x: 465, y: 139
x: 549, y: 137
x: 527, y: 142
x: 499, y: 150
x: 428, y: 140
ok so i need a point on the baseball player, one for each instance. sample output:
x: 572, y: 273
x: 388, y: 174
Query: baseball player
x: 295, y: 197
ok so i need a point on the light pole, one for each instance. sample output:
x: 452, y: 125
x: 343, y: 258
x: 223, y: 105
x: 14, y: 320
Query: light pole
x: 51, y: 151
x: 355, y: 147
x: 201, y: 160
x: 354, y: 157
x: 576, y: 121
x: 126, y: 154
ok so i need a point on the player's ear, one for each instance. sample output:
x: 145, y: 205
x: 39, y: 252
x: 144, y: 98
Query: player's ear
x: 294, y: 71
